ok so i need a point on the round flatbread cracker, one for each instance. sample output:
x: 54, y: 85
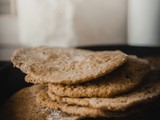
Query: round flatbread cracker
x: 23, y: 106
x: 148, y: 91
x: 66, y: 65
x: 119, y: 81
x: 84, y: 111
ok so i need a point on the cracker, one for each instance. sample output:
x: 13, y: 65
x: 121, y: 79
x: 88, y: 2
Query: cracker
x: 119, y: 81
x: 147, y: 92
x: 85, y: 112
x: 23, y: 106
x: 66, y: 65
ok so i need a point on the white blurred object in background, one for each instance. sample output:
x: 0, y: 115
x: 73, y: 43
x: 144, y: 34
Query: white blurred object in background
x: 72, y: 22
x: 46, y: 22
x: 144, y: 22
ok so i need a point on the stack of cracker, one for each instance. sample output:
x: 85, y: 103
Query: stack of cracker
x: 80, y: 83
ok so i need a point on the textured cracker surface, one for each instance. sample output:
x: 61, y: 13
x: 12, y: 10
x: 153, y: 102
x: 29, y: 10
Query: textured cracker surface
x: 23, y: 106
x: 123, y: 79
x: 148, y: 91
x: 45, y: 101
x: 67, y: 66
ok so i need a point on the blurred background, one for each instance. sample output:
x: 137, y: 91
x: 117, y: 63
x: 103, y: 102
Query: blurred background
x: 70, y: 23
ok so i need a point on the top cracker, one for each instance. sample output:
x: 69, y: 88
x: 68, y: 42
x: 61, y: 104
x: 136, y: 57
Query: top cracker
x: 66, y: 65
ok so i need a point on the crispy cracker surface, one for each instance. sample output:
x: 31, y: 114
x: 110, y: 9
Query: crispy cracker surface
x: 147, y: 92
x: 119, y: 81
x: 23, y: 106
x: 66, y: 65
